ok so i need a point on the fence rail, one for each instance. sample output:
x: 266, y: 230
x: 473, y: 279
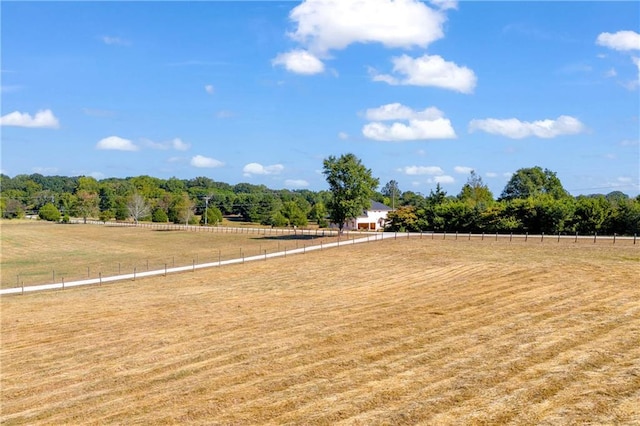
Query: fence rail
x: 347, y: 238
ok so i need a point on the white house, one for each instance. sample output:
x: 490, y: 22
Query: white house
x: 372, y: 219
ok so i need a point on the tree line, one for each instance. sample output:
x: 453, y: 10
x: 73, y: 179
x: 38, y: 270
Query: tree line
x: 533, y: 201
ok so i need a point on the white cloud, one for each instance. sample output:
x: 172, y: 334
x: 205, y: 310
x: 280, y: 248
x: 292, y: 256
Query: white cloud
x: 45, y: 170
x: 205, y: 162
x: 443, y: 179
x: 299, y: 62
x: 421, y: 170
x: 622, y: 40
x: 445, y: 4
x: 463, y: 170
x: 116, y: 143
x: 42, y: 119
x: 633, y: 84
x: 177, y: 159
x: 397, y: 111
x: 324, y: 25
x: 428, y: 70
x: 429, y: 123
x: 179, y: 145
x: 416, y: 130
x: 491, y: 174
x: 175, y: 143
x: 259, y: 169
x: 516, y: 129
x: 611, y: 73
x: 296, y: 183
x: 115, y: 41
x: 342, y: 135
x: 209, y: 89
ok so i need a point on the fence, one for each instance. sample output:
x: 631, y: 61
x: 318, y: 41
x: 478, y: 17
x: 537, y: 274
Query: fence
x: 193, y: 267
x: 347, y: 238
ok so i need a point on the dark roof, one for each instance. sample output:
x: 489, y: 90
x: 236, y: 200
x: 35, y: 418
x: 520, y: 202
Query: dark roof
x: 378, y: 206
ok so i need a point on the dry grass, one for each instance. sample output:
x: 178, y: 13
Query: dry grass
x: 38, y: 252
x: 394, y: 332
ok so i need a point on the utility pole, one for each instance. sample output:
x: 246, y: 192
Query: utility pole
x: 206, y: 208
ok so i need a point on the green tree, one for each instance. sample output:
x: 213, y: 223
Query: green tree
x: 278, y: 219
x: 49, y: 212
x: 318, y: 214
x: 351, y: 185
x: 159, y: 215
x: 591, y: 213
x: 213, y: 215
x: 86, y: 204
x: 528, y: 182
x: 294, y: 214
x: 106, y: 215
x: 475, y: 192
x: 402, y: 219
x: 392, y: 192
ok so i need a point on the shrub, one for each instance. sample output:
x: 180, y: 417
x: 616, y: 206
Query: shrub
x: 214, y: 216
x: 159, y: 216
x: 49, y: 212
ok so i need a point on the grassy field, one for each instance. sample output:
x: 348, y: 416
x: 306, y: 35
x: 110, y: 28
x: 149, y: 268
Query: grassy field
x: 407, y: 331
x: 38, y: 252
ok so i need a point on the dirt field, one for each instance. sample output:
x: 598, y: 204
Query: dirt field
x: 407, y: 331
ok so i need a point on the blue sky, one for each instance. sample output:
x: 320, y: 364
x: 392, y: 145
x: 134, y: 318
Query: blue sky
x: 262, y: 92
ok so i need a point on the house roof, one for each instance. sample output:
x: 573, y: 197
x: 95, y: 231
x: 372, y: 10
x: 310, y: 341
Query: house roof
x: 379, y: 206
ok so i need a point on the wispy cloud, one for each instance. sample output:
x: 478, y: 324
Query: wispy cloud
x: 115, y: 41
x: 175, y: 143
x: 296, y: 183
x: 10, y: 88
x: 209, y: 89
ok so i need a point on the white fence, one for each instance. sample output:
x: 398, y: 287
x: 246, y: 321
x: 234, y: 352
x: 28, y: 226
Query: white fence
x: 100, y: 280
x: 350, y: 239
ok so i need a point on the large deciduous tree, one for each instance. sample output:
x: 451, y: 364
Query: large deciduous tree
x: 351, y: 185
x: 532, y: 181
x: 86, y: 204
